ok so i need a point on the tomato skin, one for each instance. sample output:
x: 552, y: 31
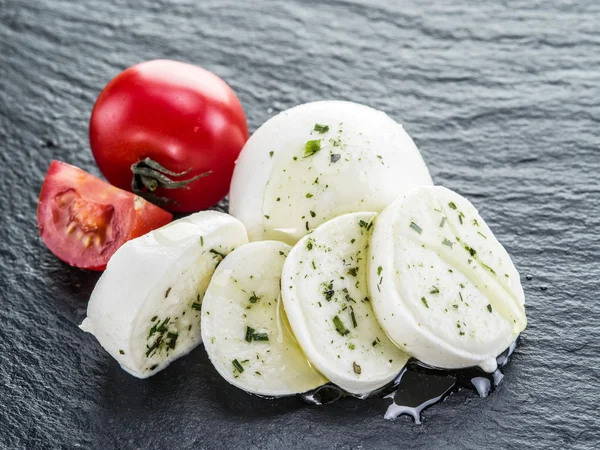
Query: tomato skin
x: 180, y: 116
x: 83, y: 220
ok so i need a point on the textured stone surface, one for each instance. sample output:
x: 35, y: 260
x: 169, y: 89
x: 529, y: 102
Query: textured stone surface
x: 502, y: 99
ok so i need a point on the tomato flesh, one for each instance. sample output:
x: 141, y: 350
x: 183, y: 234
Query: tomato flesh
x: 180, y: 116
x: 84, y: 220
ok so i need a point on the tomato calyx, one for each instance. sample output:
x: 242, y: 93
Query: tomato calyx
x: 148, y: 175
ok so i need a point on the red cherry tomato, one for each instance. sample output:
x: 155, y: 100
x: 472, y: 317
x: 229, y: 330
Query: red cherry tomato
x: 170, y: 132
x: 84, y: 220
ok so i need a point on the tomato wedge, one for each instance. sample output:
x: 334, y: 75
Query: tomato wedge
x: 84, y: 220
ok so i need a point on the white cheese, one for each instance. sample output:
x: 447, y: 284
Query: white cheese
x: 324, y: 291
x: 291, y: 177
x: 145, y: 308
x: 245, y: 330
x: 444, y: 289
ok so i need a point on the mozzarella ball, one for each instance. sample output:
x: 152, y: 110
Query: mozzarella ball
x: 443, y: 288
x: 145, y: 308
x: 320, y: 160
x: 245, y: 329
x: 325, y: 295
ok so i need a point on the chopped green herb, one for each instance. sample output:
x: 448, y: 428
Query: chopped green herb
x: 461, y: 297
x: 335, y: 157
x: 312, y: 147
x: 351, y: 346
x: 249, y: 334
x: 353, y: 271
x: 483, y: 235
x: 424, y: 300
x: 254, y: 298
x: 489, y: 308
x: 363, y: 224
x: 470, y: 250
x: 416, y: 227
x: 434, y: 290
x: 452, y: 205
x: 352, y: 241
x: 309, y: 195
x: 353, y: 317
x: 328, y: 291
x: 121, y: 352
x: 366, y: 299
x: 278, y: 199
x: 260, y: 337
x: 281, y: 253
x: 271, y: 153
x: 443, y: 222
x: 312, y: 214
x: 309, y: 245
x: 197, y: 306
x: 306, y: 225
x: 167, y: 292
x: 258, y: 373
x: 163, y: 326
x: 154, y: 346
x: 267, y: 217
x: 154, y: 318
x: 448, y: 242
x: 356, y: 368
x: 379, y: 269
x: 455, y: 306
x: 460, y: 217
x: 313, y: 265
x: 489, y: 268
x: 475, y: 222
x: 321, y: 128
x: 237, y: 366
x: 462, y: 333
x: 202, y: 241
x: 154, y: 366
x: 339, y: 326
x: 172, y: 339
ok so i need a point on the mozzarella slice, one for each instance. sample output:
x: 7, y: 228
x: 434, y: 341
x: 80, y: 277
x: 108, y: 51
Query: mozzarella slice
x: 320, y: 160
x: 444, y: 289
x: 324, y: 291
x: 244, y: 327
x: 145, y: 308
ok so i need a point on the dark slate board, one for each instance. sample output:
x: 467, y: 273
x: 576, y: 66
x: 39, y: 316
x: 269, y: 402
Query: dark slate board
x: 503, y: 99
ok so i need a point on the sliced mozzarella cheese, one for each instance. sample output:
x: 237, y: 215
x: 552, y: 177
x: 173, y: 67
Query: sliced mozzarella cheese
x: 244, y: 328
x: 444, y: 289
x: 324, y: 291
x: 320, y: 160
x: 145, y: 308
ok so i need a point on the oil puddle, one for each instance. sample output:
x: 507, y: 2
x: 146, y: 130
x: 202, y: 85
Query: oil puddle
x: 420, y: 386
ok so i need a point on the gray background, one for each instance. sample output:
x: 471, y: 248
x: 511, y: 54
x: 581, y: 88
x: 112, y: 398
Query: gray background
x: 503, y: 101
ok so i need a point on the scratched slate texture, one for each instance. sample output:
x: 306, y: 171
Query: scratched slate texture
x: 503, y: 99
